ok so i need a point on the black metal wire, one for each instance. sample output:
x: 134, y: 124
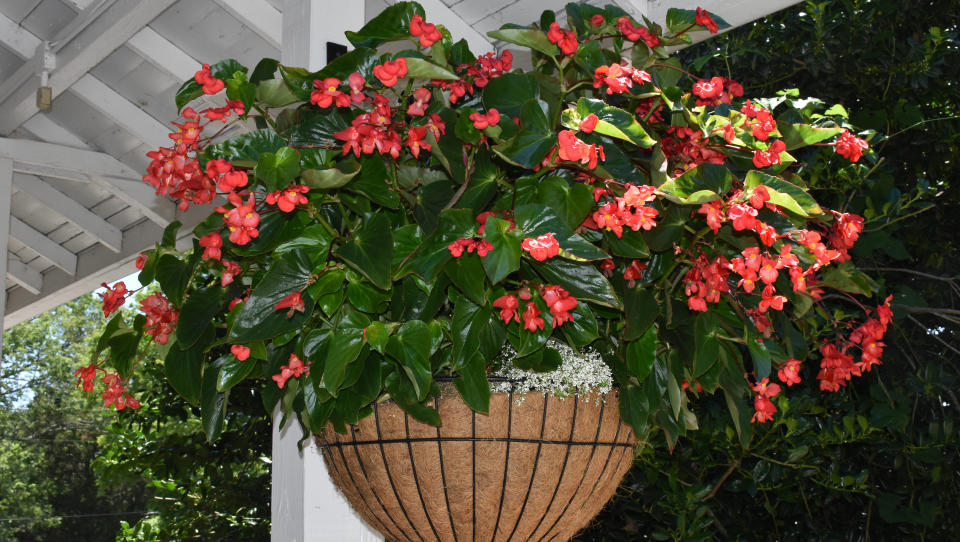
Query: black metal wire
x: 443, y: 476
x: 506, y: 464
x: 480, y: 439
x: 474, y: 468
x: 386, y: 466
x: 563, y: 468
x: 363, y: 470
x: 596, y: 440
x: 605, y: 464
x: 536, y: 463
x: 416, y: 479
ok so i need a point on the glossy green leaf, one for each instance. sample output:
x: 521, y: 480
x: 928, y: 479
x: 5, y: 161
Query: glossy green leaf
x: 784, y: 193
x: 377, y: 335
x: 706, y: 343
x: 641, y: 354
x: 402, y: 391
x: 410, y: 345
x: 796, y: 136
x: 361, y: 59
x: 233, y: 371
x: 278, y: 169
x: 536, y: 220
x: 533, y: 142
x: 472, y: 383
x: 432, y: 254
x: 371, y: 250
x: 640, y: 310
x: 706, y: 182
x: 505, y: 256
x: 467, y: 274
x: 374, y: 183
x: 213, y: 404
x: 183, y: 369
x: 334, y: 177
x: 173, y: 274
x: 582, y: 280
x: 509, y: 92
x: 418, y: 68
x: 847, y: 278
x: 316, y: 127
x: 570, y: 202
x: 344, y: 347
x: 612, y: 122
x: 634, y: 407
x: 584, y: 329
x: 761, y: 357
x: 393, y: 23
x: 197, y: 314
x: 526, y: 37
x: 259, y: 319
x: 245, y: 149
x: 630, y: 244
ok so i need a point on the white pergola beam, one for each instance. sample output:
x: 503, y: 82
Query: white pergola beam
x: 46, y: 129
x: 24, y: 276
x: 61, y: 162
x: 103, y: 231
x: 16, y: 38
x: 163, y: 54
x: 101, y: 36
x: 6, y: 192
x: 261, y: 17
x: 47, y: 248
x: 79, y: 5
x: 121, y: 111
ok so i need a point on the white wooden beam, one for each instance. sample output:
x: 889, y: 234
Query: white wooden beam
x: 95, y: 265
x: 6, y: 192
x: 79, y: 5
x: 91, y: 44
x: 438, y: 13
x: 24, y: 276
x: 259, y: 16
x: 121, y: 111
x: 16, y: 38
x: 47, y: 248
x: 163, y: 54
x: 63, y: 205
x: 57, y: 161
x: 46, y: 129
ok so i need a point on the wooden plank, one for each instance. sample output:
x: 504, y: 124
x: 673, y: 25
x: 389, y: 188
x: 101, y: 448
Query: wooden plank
x: 24, y: 276
x: 121, y: 111
x: 259, y: 16
x: 47, y: 248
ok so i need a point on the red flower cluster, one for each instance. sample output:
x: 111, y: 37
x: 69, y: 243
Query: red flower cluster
x: 789, y: 372
x: 649, y: 110
x: 619, y: 79
x: 572, y: 148
x: 326, y: 93
x: 837, y: 366
x: 630, y: 210
x: 85, y: 376
x: 558, y: 301
x: 753, y: 266
x: 288, y: 198
x: 763, y: 407
x: 703, y: 19
x: 295, y: 368
x: 850, y: 146
x: 212, y: 244
x: 717, y: 90
x: 230, y: 272
x: 210, y: 84
x: 113, y: 298
x: 391, y: 71
x: 418, y: 107
x: 427, y: 32
x: 141, y: 260
x: 542, y: 247
x: 482, y: 120
x: 372, y: 131
x: 763, y: 122
x: 688, y: 148
x: 293, y: 301
x: 240, y: 352
x: 634, y: 33
x: 597, y: 20
x: 116, y: 393
x: 844, y: 233
x: 769, y: 157
x: 482, y: 246
x: 161, y: 317
x: 633, y: 272
x: 705, y: 281
x: 477, y: 73
x: 565, y: 39
x: 242, y: 219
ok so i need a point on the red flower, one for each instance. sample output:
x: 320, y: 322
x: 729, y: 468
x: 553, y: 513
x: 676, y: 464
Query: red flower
x: 769, y: 157
x: 427, y: 32
x: 356, y: 82
x: 210, y: 84
x: 764, y: 408
x: 531, y: 317
x: 295, y: 368
x: 714, y: 214
x: 293, y: 301
x: 597, y: 20
x: 850, y: 146
x: 141, y: 260
x: 789, y: 372
x: 708, y: 89
x: 390, y: 71
x: 634, y: 33
x: 572, y: 148
x: 836, y: 368
x: 242, y: 220
x: 759, y: 197
x: 113, y: 299
x: 288, y: 198
x: 230, y: 272
x: 212, y: 243
x: 743, y: 216
x: 85, y: 376
x: 634, y: 271
x: 415, y: 141
x: 566, y: 39
x: 240, y: 352
x: 232, y: 180
x: 116, y: 393
x: 484, y: 247
x: 589, y: 124
x: 703, y: 19
x: 418, y: 107
x: 326, y: 93
x: 482, y: 121
x: 161, y: 317
x: 541, y: 248
x: 508, y: 306
x: 457, y: 247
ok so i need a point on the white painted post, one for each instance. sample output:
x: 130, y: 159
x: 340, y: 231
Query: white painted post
x: 305, y: 505
x: 6, y: 191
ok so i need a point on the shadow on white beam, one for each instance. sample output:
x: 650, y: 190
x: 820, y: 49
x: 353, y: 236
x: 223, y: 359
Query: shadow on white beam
x: 24, y: 276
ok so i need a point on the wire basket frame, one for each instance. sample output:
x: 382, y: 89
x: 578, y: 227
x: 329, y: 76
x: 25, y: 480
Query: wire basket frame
x: 537, y: 467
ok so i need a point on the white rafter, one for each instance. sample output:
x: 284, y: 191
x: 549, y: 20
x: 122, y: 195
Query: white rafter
x: 259, y: 16
x: 24, y: 276
x: 163, y: 54
x: 18, y: 39
x: 121, y: 111
x: 61, y: 162
x: 68, y: 208
x: 99, y: 37
x: 47, y: 248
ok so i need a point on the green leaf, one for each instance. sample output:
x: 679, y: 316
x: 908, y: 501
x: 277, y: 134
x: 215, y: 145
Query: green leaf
x: 418, y: 68
x: 533, y: 141
x: 393, y: 23
x: 213, y: 404
x: 706, y: 344
x: 667, y: 72
x: 640, y: 311
x: 197, y: 314
x: 275, y: 93
x: 641, y: 354
x: 371, y: 250
x: 612, y: 122
x: 245, y: 149
x: 669, y: 228
x: 334, y: 177
x: 316, y: 127
x: 475, y: 330
x: 472, y: 383
x: 536, y: 220
x: 361, y: 59
x: 784, y: 193
x: 543, y: 360
x: 183, y: 369
x: 173, y: 274
x: 570, y: 202
x: 761, y: 357
x: 526, y: 37
x: 432, y: 254
x: 505, y: 256
x: 410, y: 345
x: 847, y: 278
x: 509, y: 92
x: 232, y: 372
x: 377, y: 335
x: 401, y: 391
x: 374, y: 183
x: 584, y: 329
x: 259, y: 319
x: 345, y: 345
x: 634, y: 407
x: 706, y: 182
x: 278, y: 169
x: 191, y: 90
x: 238, y: 88
x: 629, y: 245
x: 679, y: 20
x: 264, y: 70
x: 467, y: 274
x: 796, y: 136
x: 583, y: 281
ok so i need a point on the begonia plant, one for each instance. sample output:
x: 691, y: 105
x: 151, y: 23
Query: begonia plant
x: 399, y: 218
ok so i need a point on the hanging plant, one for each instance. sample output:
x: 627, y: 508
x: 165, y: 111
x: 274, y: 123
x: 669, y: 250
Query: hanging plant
x: 399, y: 220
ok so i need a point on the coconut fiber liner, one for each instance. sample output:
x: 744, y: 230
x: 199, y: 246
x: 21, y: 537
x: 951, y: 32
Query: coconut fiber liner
x: 537, y: 470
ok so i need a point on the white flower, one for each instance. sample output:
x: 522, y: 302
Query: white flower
x: 579, y: 373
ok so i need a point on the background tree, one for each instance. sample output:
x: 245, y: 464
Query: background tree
x: 877, y: 461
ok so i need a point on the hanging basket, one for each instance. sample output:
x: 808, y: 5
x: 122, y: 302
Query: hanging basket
x: 536, y: 469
